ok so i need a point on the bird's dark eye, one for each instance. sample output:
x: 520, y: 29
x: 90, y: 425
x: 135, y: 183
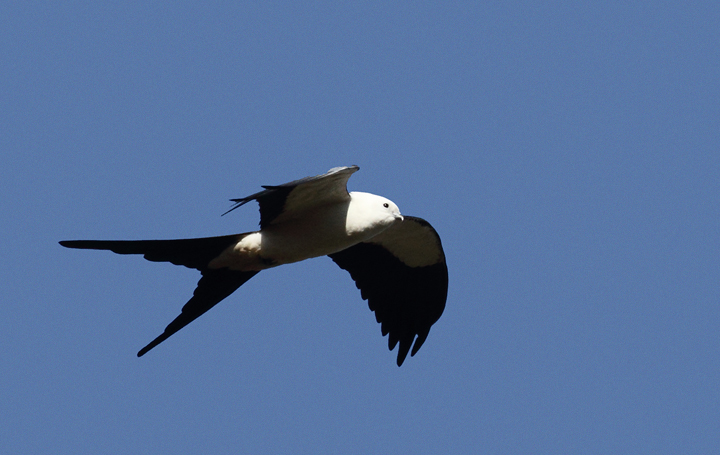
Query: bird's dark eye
x: 386, y: 205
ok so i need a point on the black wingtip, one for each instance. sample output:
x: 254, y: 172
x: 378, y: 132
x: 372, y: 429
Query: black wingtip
x: 238, y: 203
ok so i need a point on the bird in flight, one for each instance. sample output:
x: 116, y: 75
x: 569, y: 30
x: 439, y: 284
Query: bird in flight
x: 397, y: 262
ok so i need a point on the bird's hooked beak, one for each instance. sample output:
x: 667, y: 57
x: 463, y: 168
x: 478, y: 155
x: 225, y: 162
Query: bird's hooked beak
x: 398, y: 216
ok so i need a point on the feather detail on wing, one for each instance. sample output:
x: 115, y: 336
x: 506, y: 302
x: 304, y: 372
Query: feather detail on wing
x: 403, y: 275
x: 280, y: 203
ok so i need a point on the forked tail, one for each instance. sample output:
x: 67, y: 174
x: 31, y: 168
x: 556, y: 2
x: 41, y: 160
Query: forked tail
x: 213, y: 287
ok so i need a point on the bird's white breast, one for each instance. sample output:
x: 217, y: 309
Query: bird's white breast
x: 311, y: 233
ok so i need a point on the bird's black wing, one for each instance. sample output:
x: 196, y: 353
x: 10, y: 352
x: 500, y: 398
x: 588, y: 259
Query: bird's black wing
x: 284, y: 202
x: 403, y: 275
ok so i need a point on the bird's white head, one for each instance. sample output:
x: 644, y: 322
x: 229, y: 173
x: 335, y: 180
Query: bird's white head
x: 370, y: 214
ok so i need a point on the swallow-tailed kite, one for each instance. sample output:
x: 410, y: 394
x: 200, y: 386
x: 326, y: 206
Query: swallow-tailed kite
x: 397, y: 262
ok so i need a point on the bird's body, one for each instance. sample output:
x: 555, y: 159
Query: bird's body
x: 398, y: 263
x: 320, y: 231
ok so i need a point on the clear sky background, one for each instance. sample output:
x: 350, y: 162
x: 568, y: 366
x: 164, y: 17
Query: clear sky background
x: 567, y: 153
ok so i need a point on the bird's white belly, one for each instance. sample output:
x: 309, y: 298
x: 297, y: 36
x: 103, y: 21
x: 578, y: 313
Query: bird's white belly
x: 317, y: 233
x: 320, y: 234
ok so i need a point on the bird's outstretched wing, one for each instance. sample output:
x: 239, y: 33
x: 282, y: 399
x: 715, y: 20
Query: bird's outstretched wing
x: 403, y: 275
x: 284, y: 202
x: 213, y: 287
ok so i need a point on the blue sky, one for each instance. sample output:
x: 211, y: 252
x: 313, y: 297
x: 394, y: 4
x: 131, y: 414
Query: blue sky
x: 568, y: 154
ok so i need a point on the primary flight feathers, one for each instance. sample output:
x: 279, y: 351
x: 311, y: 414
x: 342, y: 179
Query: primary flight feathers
x: 397, y: 262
